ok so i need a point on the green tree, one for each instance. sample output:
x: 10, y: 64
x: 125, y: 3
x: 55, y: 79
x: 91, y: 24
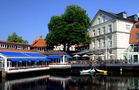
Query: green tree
x: 69, y: 28
x: 15, y: 38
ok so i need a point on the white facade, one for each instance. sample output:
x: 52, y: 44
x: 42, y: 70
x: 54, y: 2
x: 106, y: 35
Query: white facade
x: 11, y: 45
x: 110, y: 36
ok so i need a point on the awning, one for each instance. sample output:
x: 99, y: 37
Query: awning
x: 29, y: 59
x: 54, y: 56
x: 69, y: 56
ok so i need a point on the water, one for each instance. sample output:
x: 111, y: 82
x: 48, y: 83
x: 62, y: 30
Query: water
x: 97, y: 82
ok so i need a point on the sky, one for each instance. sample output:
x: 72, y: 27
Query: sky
x: 30, y: 18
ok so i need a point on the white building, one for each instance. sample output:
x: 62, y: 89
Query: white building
x: 110, y: 34
x: 61, y: 47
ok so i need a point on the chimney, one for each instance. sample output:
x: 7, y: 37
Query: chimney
x: 122, y: 14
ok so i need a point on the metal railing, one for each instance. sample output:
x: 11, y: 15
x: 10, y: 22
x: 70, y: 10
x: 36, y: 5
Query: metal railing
x: 97, y: 62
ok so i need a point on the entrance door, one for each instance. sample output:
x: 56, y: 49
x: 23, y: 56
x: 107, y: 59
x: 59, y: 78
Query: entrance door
x: 135, y: 58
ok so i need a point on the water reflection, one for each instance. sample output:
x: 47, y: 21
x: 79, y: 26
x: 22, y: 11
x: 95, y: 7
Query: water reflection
x: 49, y: 82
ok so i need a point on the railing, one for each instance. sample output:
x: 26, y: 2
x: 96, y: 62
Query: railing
x: 97, y: 62
x: 27, y: 67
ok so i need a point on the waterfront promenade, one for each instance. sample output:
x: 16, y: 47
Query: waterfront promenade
x: 74, y: 66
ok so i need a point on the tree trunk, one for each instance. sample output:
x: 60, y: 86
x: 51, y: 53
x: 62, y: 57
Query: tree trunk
x: 64, y: 49
x: 68, y: 47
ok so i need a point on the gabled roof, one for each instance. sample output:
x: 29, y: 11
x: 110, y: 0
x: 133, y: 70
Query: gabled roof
x: 113, y: 15
x: 39, y: 42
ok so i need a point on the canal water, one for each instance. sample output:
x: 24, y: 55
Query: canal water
x: 75, y: 82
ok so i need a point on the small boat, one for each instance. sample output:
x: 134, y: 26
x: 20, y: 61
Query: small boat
x: 104, y: 72
x: 92, y: 71
x: 86, y: 72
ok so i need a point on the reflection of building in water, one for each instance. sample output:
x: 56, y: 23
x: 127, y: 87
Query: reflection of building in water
x: 104, y: 83
x: 133, y: 84
x: 73, y: 83
x: 35, y: 83
x: 46, y: 82
x: 59, y: 81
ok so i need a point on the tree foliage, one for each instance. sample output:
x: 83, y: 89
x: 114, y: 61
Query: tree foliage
x: 69, y: 28
x: 15, y: 38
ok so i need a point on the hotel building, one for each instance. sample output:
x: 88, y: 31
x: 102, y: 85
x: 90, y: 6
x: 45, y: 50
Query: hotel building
x: 110, y: 34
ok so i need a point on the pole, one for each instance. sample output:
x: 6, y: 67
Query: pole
x: 106, y: 49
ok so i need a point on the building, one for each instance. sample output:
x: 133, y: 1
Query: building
x: 134, y: 34
x: 61, y: 47
x: 132, y: 53
x: 39, y: 45
x: 14, y: 45
x: 110, y: 34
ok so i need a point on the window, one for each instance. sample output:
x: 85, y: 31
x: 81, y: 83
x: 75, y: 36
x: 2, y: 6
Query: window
x: 103, y: 19
x: 103, y: 43
x: 103, y: 30
x: 137, y: 36
x: 93, y: 44
x: 98, y: 21
x: 109, y: 28
x: 109, y: 41
x: 98, y: 31
x: 127, y: 27
x: 135, y: 58
x: 98, y: 43
x: 93, y: 32
x: 137, y: 26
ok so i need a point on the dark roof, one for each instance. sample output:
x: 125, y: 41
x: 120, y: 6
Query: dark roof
x: 117, y: 16
x: 52, y: 52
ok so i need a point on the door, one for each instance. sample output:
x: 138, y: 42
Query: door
x: 135, y: 58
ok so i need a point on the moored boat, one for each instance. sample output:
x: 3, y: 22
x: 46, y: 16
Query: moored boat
x: 91, y: 71
x: 86, y: 72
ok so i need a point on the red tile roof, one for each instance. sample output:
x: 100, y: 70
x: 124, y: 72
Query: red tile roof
x: 39, y: 42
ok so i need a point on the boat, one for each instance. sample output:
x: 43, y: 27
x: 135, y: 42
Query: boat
x: 92, y: 71
x: 104, y: 72
x: 86, y: 72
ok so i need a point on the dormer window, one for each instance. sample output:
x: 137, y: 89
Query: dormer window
x: 137, y: 26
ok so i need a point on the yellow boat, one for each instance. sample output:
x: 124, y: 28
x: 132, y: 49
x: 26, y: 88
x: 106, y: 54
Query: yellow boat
x: 102, y: 71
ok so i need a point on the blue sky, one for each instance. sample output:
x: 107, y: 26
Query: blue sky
x: 30, y: 18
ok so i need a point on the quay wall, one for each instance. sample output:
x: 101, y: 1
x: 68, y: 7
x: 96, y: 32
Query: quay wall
x: 72, y: 69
